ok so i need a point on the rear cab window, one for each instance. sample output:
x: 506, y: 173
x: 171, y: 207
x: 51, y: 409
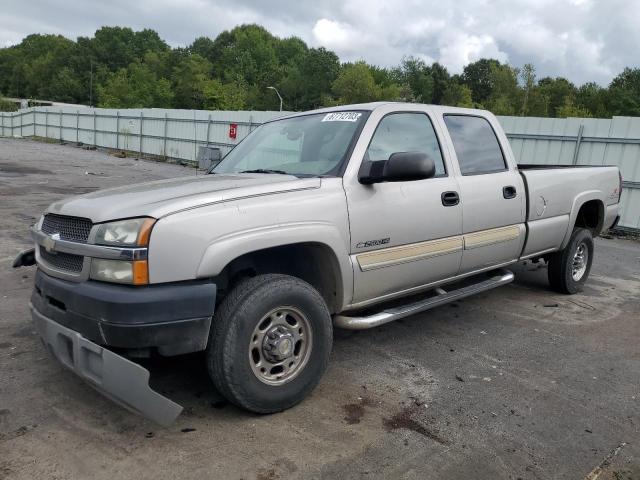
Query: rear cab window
x: 476, y: 144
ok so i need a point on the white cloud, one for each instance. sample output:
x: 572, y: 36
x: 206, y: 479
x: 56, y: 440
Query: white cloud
x: 332, y: 34
x: 457, y: 49
x: 582, y: 40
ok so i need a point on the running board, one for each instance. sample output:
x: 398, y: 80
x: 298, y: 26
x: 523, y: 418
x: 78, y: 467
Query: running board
x: 501, y: 277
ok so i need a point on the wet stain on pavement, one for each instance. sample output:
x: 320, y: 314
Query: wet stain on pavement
x: 405, y: 420
x: 355, y: 411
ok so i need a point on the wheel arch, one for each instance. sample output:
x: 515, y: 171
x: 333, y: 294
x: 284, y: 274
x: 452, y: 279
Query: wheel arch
x: 316, y: 255
x: 588, y: 211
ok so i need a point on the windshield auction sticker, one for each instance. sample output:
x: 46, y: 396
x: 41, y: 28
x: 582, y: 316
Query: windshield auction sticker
x: 342, y: 117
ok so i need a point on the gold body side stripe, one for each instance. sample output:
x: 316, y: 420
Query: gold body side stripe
x: 386, y: 257
x: 489, y: 237
x: 408, y: 253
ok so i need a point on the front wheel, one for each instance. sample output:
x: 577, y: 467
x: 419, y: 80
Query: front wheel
x: 569, y: 268
x: 270, y: 343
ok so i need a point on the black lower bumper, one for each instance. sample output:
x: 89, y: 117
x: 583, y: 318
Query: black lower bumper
x: 174, y: 318
x: 121, y: 380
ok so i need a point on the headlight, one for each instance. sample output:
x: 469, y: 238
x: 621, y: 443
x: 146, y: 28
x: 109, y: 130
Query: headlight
x: 119, y: 271
x: 131, y: 232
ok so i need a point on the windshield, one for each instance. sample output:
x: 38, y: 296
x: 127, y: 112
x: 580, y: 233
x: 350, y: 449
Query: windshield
x: 309, y: 145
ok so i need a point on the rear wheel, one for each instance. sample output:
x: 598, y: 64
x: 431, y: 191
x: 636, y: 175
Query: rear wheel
x: 270, y: 343
x: 569, y: 268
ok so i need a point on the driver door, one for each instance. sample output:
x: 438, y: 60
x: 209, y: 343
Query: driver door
x: 404, y: 234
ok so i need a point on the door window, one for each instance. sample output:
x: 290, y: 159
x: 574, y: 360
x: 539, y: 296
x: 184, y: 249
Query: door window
x: 405, y: 132
x: 476, y: 144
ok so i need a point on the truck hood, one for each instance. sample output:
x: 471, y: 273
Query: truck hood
x: 164, y: 197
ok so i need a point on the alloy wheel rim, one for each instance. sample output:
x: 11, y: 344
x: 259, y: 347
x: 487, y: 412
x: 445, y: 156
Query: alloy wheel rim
x: 280, y: 345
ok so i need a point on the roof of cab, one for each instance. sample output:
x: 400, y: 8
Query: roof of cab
x: 375, y: 105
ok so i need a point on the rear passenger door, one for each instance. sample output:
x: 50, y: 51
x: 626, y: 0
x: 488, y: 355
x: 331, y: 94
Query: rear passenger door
x: 491, y: 193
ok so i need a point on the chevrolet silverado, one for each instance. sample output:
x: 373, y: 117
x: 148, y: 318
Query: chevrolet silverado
x: 351, y: 217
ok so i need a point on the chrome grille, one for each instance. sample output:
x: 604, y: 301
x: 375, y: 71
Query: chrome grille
x: 73, y: 229
x: 63, y: 261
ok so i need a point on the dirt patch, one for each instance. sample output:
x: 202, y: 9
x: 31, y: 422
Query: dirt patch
x: 16, y: 433
x: 405, y: 419
x: 9, y: 169
x: 5, y: 471
x: 355, y: 411
x: 24, y: 217
x: 267, y: 475
x: 24, y: 332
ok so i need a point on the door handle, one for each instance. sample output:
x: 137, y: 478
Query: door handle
x: 450, y: 199
x: 509, y: 192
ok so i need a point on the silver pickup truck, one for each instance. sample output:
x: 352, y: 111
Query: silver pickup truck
x: 350, y: 217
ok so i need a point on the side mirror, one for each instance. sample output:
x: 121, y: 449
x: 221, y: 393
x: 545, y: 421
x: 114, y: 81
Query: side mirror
x: 401, y: 167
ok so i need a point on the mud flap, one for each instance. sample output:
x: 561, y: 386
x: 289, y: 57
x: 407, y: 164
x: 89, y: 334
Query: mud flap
x: 116, y: 377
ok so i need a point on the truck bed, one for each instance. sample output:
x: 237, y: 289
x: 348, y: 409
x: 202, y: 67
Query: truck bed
x: 554, y: 195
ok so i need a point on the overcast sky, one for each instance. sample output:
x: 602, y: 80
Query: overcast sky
x: 582, y: 40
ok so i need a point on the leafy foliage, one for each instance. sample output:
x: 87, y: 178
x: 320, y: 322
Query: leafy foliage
x: 119, y: 67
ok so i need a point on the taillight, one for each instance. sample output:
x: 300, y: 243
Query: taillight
x: 619, y: 186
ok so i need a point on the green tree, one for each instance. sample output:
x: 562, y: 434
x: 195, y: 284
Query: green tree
x: 318, y: 70
x: 528, y: 77
x: 7, y: 106
x: 593, y: 98
x: 135, y: 87
x: 415, y: 73
x: 127, y: 67
x: 441, y: 81
x: 65, y: 86
x: 556, y: 90
x: 505, y: 96
x: 569, y: 109
x: 355, y: 84
x: 478, y: 77
x: 189, y: 79
x: 624, y: 93
x: 219, y: 96
x: 458, y: 95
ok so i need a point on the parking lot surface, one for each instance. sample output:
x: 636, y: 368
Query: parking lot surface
x: 518, y: 382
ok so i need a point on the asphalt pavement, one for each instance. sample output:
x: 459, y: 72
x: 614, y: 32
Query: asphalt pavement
x: 518, y: 382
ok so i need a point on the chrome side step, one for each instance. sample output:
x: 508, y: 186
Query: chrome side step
x: 441, y: 297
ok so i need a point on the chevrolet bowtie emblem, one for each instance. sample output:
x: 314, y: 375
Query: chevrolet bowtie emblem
x: 49, y: 242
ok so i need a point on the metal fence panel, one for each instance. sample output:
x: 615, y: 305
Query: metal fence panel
x: 174, y: 134
x: 177, y: 134
x: 583, y: 141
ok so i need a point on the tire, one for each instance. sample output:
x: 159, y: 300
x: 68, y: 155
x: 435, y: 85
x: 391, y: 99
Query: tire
x: 241, y: 346
x: 562, y: 275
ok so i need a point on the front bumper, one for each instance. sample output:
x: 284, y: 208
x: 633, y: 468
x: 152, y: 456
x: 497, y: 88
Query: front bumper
x: 121, y: 380
x: 173, y: 318
x: 77, y: 320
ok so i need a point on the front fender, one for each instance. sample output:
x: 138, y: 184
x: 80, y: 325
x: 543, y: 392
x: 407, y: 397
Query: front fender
x: 229, y: 247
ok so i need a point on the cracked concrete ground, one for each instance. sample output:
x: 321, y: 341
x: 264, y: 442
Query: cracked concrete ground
x: 518, y: 382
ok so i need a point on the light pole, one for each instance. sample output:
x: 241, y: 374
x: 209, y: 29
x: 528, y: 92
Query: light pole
x: 277, y: 93
x: 91, y: 83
